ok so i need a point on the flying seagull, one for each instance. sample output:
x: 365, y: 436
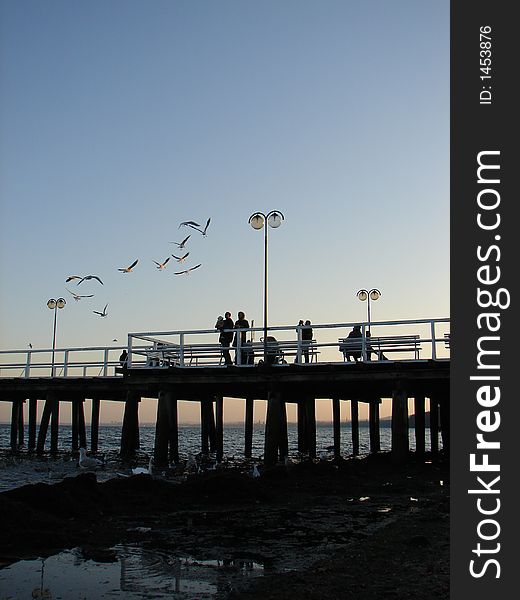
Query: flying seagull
x: 180, y: 258
x: 181, y: 244
x: 187, y: 271
x: 89, y: 277
x: 102, y: 314
x: 189, y: 224
x: 77, y: 297
x: 72, y: 277
x: 196, y: 226
x: 162, y: 265
x: 128, y: 269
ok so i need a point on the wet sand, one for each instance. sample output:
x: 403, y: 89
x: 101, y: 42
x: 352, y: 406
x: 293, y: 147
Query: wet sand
x: 349, y: 529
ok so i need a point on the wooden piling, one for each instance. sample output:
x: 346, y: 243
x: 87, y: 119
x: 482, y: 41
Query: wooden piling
x: 444, y: 407
x: 204, y: 426
x: 130, y: 429
x: 94, y: 424
x: 74, y: 424
x: 336, y: 427
x: 174, y: 428
x: 219, y: 427
x: 248, y: 428
x: 20, y: 423
x: 434, y: 425
x: 400, y: 445
x: 44, y: 423
x: 15, y: 416
x: 373, y: 425
x: 162, y: 426
x: 302, y: 431
x: 212, y: 430
x: 310, y: 425
x: 82, y: 434
x: 283, y: 448
x: 55, y: 424
x: 354, y: 419
x: 33, y: 408
x: 420, y: 445
x: 273, y: 424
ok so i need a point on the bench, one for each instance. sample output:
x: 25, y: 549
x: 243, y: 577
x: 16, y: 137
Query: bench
x: 446, y: 340
x: 290, y: 349
x: 380, y: 346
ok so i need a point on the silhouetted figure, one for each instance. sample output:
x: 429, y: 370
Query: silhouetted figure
x: 306, y: 339
x: 123, y: 359
x: 356, y: 355
x: 241, y: 323
x: 226, y: 337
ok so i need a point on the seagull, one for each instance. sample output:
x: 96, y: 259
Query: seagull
x: 187, y: 271
x: 196, y: 226
x: 102, y: 314
x: 30, y: 345
x: 72, y: 277
x: 77, y: 297
x: 128, y: 269
x: 255, y: 473
x: 180, y: 258
x: 87, y: 277
x: 162, y: 265
x: 88, y: 462
x: 183, y: 243
x: 142, y: 470
x: 189, y: 224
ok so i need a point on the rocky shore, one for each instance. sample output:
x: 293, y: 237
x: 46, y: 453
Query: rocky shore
x: 353, y: 528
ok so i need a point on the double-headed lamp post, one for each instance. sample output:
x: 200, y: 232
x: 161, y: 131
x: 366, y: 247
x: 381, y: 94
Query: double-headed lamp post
x: 373, y: 294
x: 54, y: 305
x: 258, y: 220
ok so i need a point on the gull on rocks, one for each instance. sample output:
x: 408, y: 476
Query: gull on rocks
x: 88, y: 462
x: 142, y: 470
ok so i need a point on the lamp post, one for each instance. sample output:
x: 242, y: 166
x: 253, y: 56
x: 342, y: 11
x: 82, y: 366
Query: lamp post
x: 54, y: 305
x: 374, y: 294
x: 258, y: 220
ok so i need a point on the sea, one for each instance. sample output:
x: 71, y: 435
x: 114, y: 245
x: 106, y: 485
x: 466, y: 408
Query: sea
x: 138, y: 573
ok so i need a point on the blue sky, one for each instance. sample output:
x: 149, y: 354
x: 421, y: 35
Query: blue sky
x: 120, y: 119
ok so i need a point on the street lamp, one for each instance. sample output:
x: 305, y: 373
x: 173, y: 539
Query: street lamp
x: 258, y: 220
x: 374, y: 294
x: 54, y: 305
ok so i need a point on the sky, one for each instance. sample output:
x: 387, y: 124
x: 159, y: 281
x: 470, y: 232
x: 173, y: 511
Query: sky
x: 120, y: 119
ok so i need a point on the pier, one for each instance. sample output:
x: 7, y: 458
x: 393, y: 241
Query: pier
x: 401, y: 360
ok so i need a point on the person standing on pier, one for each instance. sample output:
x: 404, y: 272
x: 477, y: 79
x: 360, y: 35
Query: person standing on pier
x: 241, y: 323
x: 226, y: 337
x: 306, y: 339
x: 355, y: 333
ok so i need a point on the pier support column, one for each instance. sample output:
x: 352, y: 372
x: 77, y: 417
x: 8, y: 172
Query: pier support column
x: 55, y: 424
x: 302, y: 435
x: 219, y: 427
x: 33, y: 408
x: 174, y: 428
x: 44, y: 423
x: 162, y: 426
x: 284, y: 438
x: 275, y: 445
x: 336, y: 427
x: 444, y: 407
x: 207, y: 425
x: 82, y: 432
x: 248, y: 428
x: 373, y: 425
x: 400, y: 445
x: 74, y: 425
x: 310, y: 426
x: 94, y: 424
x: 130, y: 429
x: 16, y: 419
x: 354, y: 418
x: 434, y: 425
x: 419, y: 424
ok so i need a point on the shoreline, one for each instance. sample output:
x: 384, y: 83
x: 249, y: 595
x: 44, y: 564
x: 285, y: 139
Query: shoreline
x: 320, y: 526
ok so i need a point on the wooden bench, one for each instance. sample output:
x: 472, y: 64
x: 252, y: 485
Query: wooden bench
x: 380, y: 346
x: 290, y: 349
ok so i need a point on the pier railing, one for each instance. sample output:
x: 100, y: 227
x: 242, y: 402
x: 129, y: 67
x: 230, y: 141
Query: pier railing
x: 409, y: 340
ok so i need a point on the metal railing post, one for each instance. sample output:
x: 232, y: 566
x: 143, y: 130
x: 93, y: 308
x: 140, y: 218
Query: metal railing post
x: 181, y: 349
x: 434, y: 348
x: 65, y: 363
x: 105, y: 363
x: 299, y: 345
x: 28, y: 365
x: 129, y: 352
x: 363, y: 343
x: 238, y: 355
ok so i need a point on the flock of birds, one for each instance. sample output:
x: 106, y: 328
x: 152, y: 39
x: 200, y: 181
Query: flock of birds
x: 159, y: 265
